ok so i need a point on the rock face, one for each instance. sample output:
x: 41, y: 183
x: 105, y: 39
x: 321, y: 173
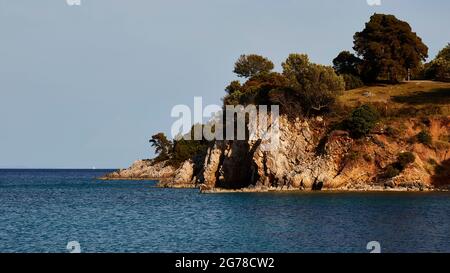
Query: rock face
x: 142, y: 170
x: 167, y: 175
x: 309, y: 156
x: 295, y: 162
x: 182, y: 178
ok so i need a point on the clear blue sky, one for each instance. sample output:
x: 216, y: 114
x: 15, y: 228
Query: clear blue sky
x: 84, y: 86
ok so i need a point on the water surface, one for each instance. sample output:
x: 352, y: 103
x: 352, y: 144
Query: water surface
x: 42, y: 210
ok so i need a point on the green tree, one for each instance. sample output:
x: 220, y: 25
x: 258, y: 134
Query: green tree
x: 362, y: 120
x: 317, y: 85
x: 162, y: 145
x: 347, y: 63
x: 184, y: 149
x: 250, y: 65
x: 389, y: 48
x: 256, y: 89
x: 439, y: 68
x: 444, y: 53
x: 352, y: 81
x: 233, y: 87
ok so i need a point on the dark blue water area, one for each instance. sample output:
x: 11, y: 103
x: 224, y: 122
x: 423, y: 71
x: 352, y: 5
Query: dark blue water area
x: 42, y: 210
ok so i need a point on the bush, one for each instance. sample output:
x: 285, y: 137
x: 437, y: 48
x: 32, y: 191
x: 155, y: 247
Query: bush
x: 404, y: 159
x: 352, y: 81
x: 367, y: 158
x: 392, y: 132
x: 424, y: 137
x: 187, y: 149
x: 361, y: 121
x: 391, y: 172
x: 352, y: 156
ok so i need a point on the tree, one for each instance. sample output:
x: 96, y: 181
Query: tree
x: 255, y: 90
x: 233, y: 87
x: 347, y: 63
x: 362, y: 120
x: 317, y: 85
x: 439, y: 68
x: 189, y: 149
x: 162, y: 146
x: 352, y: 81
x: 389, y: 48
x: 444, y: 53
x: 250, y: 65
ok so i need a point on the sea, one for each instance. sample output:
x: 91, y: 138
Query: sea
x: 50, y: 211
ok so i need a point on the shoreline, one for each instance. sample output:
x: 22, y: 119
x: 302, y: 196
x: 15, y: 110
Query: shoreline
x: 337, y: 190
x: 163, y: 183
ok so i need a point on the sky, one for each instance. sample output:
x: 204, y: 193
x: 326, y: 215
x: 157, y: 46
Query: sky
x: 86, y: 86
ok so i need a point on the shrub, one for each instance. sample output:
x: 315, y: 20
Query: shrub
x: 367, y: 158
x: 404, y: 159
x: 391, y: 172
x: 384, y: 109
x: 352, y: 156
x: 424, y: 137
x: 352, y: 81
x: 426, y: 121
x: 361, y: 121
x: 392, y: 132
x: 187, y: 149
x: 432, y: 162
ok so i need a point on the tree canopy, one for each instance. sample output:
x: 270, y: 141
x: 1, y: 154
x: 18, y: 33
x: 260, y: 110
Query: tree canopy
x: 317, y: 85
x: 162, y: 146
x: 251, y: 65
x: 347, y: 63
x: 389, y: 48
x: 439, y: 68
x: 233, y: 87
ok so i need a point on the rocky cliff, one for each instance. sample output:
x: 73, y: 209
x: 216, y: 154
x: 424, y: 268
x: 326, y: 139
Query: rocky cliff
x: 143, y: 170
x: 310, y: 156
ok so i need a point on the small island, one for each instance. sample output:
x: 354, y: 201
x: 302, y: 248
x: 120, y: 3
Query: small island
x: 376, y: 120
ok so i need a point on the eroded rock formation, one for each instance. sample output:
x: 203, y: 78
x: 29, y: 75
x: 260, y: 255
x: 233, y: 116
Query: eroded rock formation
x: 311, y: 157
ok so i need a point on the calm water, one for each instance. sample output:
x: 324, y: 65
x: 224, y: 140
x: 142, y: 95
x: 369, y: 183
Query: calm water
x: 42, y: 210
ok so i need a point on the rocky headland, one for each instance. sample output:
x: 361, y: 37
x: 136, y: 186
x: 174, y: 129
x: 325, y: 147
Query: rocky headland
x: 362, y: 124
x: 311, y: 156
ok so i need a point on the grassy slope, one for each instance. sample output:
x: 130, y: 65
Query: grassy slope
x: 416, y: 94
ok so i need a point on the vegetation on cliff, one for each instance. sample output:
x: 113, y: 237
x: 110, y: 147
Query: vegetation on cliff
x: 355, y: 109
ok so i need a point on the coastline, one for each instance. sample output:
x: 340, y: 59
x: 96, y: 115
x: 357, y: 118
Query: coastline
x: 166, y: 183
x: 400, y: 154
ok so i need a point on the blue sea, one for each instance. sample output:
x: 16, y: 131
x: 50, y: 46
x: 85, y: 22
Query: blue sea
x: 43, y: 210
